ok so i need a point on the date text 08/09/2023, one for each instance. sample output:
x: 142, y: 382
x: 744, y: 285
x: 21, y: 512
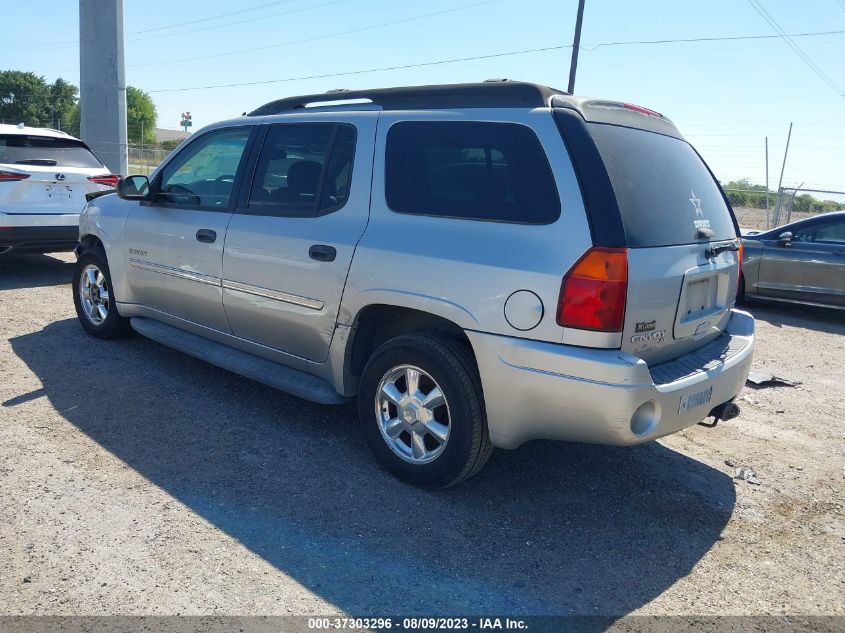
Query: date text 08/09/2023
x: 417, y: 624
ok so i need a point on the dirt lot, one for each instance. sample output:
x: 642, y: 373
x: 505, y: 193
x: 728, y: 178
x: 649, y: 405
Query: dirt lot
x: 136, y: 480
x: 756, y: 218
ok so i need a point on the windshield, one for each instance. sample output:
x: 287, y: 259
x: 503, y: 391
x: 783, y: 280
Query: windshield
x: 665, y: 193
x: 23, y: 149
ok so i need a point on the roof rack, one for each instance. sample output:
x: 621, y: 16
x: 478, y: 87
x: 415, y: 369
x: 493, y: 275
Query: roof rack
x: 488, y: 94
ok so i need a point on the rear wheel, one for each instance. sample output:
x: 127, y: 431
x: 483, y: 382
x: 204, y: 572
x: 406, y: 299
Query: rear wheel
x: 422, y: 410
x: 92, y: 297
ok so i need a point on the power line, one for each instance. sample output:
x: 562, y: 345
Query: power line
x: 229, y: 24
x: 727, y: 38
x: 317, y: 37
x: 786, y: 38
x: 588, y: 49
x: 213, y: 17
x: 369, y: 70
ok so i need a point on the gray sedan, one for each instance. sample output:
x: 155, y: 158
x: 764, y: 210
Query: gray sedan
x: 802, y: 262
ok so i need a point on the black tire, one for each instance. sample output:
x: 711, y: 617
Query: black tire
x: 113, y: 325
x: 453, y: 368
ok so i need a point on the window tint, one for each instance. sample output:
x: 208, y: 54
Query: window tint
x: 473, y: 170
x: 203, y: 173
x: 664, y: 191
x: 829, y: 232
x: 20, y: 149
x: 303, y: 169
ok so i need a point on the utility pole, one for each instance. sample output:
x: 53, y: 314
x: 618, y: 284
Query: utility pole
x: 576, y: 45
x: 102, y: 82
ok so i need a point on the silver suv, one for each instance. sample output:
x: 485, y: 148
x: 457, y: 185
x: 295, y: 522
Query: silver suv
x: 479, y: 264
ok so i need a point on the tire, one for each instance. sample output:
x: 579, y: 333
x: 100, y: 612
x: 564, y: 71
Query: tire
x: 97, y: 313
x: 425, y: 460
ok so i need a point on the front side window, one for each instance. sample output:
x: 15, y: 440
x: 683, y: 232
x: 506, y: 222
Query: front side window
x: 472, y: 170
x: 203, y: 173
x: 304, y: 169
x: 831, y: 232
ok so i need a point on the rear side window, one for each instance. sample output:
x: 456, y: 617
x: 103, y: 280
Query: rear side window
x: 665, y: 193
x: 48, y: 151
x: 471, y: 170
x: 304, y: 169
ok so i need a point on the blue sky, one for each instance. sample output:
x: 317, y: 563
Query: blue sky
x: 725, y: 96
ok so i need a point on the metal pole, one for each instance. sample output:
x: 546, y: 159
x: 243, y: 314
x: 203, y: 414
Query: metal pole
x: 780, y: 182
x: 576, y: 45
x: 767, y: 179
x: 785, y: 152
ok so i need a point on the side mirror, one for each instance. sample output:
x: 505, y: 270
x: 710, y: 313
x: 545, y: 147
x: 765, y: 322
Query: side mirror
x: 785, y: 239
x: 134, y: 188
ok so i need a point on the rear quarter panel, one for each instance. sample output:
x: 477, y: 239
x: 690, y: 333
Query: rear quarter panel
x: 465, y: 270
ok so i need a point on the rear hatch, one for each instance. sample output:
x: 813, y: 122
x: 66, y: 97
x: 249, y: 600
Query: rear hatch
x: 42, y: 174
x: 683, y: 262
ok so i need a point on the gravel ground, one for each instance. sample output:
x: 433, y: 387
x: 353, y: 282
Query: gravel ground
x: 756, y: 218
x: 136, y: 480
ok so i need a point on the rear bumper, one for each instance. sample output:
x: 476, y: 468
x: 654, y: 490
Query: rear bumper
x: 536, y: 390
x: 44, y: 238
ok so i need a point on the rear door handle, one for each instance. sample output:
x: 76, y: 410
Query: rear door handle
x: 322, y: 253
x: 206, y: 235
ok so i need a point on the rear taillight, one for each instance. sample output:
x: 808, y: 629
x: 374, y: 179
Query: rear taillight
x: 109, y: 180
x: 11, y: 176
x: 593, y: 292
x: 642, y: 110
x: 739, y: 259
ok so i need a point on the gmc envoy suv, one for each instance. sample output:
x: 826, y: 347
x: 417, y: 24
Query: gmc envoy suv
x: 479, y: 264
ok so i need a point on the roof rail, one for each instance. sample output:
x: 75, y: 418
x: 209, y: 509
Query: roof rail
x: 488, y: 94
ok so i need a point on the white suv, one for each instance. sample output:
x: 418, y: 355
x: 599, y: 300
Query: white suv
x: 44, y: 177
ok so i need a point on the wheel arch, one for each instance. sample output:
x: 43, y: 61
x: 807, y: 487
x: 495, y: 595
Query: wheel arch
x: 377, y: 323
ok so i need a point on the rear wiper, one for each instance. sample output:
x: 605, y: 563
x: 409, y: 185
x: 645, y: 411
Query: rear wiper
x: 713, y: 251
x: 49, y: 162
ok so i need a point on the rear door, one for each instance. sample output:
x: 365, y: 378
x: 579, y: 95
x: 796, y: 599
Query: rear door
x: 683, y: 259
x: 174, y: 243
x: 811, y: 267
x: 291, y: 240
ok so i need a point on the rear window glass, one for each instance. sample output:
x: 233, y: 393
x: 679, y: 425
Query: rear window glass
x: 471, y: 170
x: 665, y: 193
x: 22, y: 149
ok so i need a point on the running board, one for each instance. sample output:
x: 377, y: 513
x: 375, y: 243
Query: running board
x: 286, y: 379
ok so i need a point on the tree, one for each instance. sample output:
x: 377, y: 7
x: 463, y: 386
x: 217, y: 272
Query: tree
x: 140, y: 114
x: 24, y: 98
x: 27, y: 98
x: 64, y: 97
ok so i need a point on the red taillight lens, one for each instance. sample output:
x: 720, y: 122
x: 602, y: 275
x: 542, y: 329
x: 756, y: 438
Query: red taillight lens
x: 11, y: 176
x: 642, y: 110
x: 739, y: 259
x: 594, y: 291
x: 110, y: 180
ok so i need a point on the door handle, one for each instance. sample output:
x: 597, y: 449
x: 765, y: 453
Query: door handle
x: 206, y: 235
x: 322, y: 253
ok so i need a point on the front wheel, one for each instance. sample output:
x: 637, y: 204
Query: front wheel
x: 422, y: 410
x: 93, y: 299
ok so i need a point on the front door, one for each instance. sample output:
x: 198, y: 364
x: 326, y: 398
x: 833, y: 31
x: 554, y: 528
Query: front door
x: 811, y: 267
x: 291, y: 239
x: 174, y: 243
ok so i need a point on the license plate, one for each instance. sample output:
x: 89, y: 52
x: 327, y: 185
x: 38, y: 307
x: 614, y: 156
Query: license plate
x: 62, y: 192
x: 694, y: 400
